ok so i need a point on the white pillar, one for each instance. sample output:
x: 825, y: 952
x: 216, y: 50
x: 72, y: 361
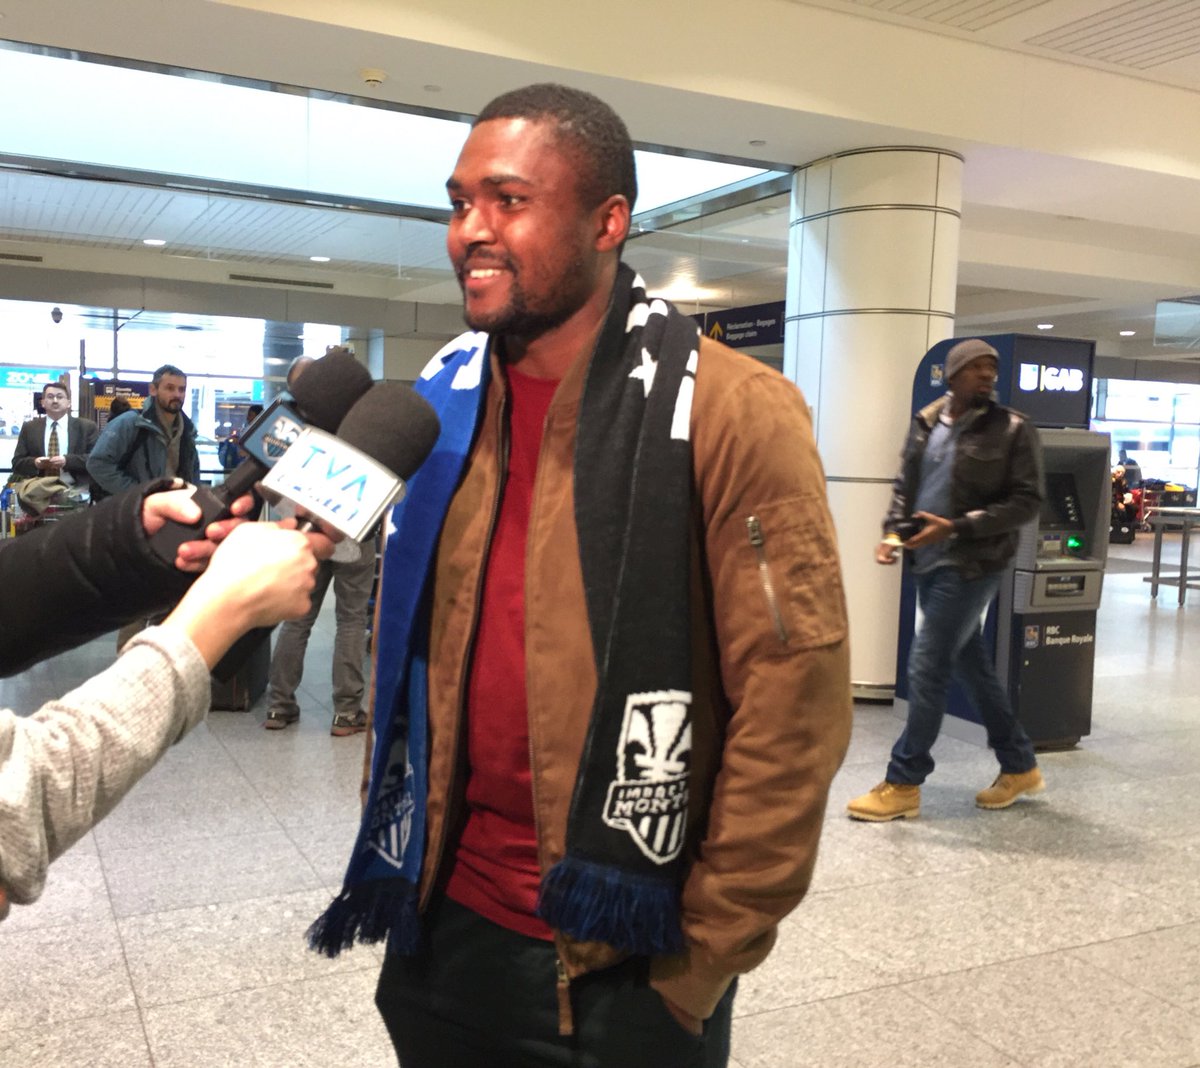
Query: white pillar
x: 872, y: 267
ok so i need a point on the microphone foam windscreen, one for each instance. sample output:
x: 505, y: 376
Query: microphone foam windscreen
x: 329, y: 387
x: 393, y: 425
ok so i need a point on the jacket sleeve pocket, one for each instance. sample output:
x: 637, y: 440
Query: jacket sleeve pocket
x: 784, y: 579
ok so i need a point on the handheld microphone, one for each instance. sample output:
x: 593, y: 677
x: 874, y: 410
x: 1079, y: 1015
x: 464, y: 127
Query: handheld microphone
x: 347, y: 482
x: 321, y: 397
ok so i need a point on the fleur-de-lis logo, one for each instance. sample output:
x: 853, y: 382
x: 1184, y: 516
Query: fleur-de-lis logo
x: 649, y: 797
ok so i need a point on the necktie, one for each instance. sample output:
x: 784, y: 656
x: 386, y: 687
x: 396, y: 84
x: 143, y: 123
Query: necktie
x: 53, y: 450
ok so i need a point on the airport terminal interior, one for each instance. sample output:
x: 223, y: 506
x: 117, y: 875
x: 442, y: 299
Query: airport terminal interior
x: 835, y: 187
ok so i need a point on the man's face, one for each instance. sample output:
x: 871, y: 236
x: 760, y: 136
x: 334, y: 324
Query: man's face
x: 521, y: 243
x: 170, y: 392
x: 973, y: 384
x: 55, y: 402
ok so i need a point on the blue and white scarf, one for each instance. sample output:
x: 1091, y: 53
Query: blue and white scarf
x: 620, y: 879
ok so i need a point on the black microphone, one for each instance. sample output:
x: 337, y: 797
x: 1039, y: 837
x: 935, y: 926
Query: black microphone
x: 347, y: 482
x: 321, y: 397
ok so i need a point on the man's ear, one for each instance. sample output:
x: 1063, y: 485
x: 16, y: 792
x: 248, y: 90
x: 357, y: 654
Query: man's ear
x: 613, y: 218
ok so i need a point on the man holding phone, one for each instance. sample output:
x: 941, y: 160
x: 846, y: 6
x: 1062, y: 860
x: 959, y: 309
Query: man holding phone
x: 970, y: 477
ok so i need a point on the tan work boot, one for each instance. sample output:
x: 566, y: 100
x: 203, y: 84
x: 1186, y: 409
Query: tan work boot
x: 1007, y: 788
x: 888, y: 801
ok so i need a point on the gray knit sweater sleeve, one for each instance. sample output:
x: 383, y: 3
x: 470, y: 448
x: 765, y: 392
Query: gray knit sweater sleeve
x: 65, y: 767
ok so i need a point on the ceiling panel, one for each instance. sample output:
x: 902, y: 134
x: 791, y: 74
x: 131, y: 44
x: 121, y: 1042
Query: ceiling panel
x: 1138, y: 33
x: 971, y: 15
x: 109, y: 215
x: 1157, y: 39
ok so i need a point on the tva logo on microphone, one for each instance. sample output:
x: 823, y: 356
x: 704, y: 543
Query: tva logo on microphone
x: 334, y: 482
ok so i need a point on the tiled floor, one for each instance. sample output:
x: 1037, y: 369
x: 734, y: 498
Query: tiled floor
x: 1062, y: 932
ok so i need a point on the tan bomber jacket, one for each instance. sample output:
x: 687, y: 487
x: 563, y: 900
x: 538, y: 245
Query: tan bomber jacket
x: 771, y: 703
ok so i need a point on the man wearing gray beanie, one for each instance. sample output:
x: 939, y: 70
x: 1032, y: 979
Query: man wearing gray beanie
x: 970, y: 477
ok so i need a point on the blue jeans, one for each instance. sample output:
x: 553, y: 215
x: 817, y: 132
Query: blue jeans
x: 950, y: 642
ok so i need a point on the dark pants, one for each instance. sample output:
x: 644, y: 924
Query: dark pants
x: 481, y: 996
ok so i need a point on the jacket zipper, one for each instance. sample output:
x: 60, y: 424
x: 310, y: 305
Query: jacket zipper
x: 566, y: 1019
x: 562, y: 985
x: 503, y: 449
x: 754, y: 530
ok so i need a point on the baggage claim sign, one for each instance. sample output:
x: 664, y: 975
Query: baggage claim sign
x: 745, y: 328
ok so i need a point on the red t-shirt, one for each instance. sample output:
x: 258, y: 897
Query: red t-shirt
x: 496, y: 871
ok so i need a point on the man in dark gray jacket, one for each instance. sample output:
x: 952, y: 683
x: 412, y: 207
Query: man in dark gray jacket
x: 157, y: 442
x: 970, y: 478
x: 56, y: 443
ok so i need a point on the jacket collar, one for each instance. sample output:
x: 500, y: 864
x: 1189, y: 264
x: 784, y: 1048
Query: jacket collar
x: 929, y: 415
x: 149, y: 417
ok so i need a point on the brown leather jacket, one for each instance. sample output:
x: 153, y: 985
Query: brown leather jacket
x: 771, y: 692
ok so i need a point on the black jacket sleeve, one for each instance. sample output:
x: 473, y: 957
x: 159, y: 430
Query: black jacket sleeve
x: 26, y: 453
x: 88, y: 433
x: 900, y: 505
x: 70, y: 581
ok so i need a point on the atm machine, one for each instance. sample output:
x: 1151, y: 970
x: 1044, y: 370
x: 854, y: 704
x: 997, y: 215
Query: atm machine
x: 1043, y: 624
x: 1046, y: 611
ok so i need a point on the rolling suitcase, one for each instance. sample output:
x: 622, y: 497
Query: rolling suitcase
x: 246, y: 685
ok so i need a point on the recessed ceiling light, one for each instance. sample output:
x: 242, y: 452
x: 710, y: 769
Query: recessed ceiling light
x: 319, y: 259
x: 432, y: 88
x: 153, y: 242
x: 1128, y: 333
x: 1045, y: 326
x: 758, y: 142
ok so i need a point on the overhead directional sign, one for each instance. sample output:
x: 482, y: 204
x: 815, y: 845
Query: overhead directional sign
x: 745, y: 328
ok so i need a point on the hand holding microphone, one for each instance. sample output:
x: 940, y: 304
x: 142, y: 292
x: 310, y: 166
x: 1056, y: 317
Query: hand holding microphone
x: 177, y: 506
x: 262, y: 573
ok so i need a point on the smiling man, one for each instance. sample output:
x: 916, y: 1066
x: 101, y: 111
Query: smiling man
x: 56, y: 444
x: 612, y: 682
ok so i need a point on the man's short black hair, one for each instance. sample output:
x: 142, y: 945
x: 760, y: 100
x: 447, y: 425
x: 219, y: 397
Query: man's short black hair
x: 591, y: 129
x: 64, y: 386
x: 166, y: 369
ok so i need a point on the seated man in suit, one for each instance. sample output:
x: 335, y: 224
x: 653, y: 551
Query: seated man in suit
x: 56, y: 444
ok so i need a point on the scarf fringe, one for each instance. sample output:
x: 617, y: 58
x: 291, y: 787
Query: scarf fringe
x: 599, y: 903
x: 370, y: 912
